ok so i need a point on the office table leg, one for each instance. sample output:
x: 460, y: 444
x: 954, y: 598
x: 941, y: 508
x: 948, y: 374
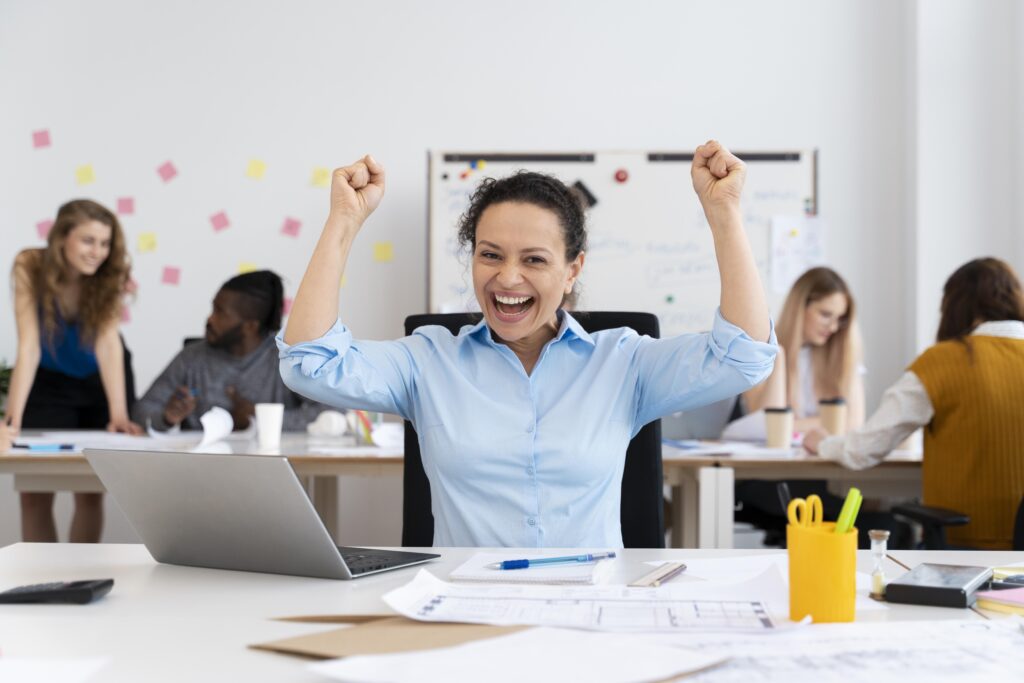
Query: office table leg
x: 685, y: 511
x: 726, y: 504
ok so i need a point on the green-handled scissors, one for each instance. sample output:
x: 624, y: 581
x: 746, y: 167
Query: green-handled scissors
x: 805, y: 512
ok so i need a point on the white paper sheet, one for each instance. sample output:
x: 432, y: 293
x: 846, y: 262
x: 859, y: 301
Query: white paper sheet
x: 705, y: 606
x: 879, y: 652
x: 798, y: 244
x: 217, y: 425
x: 111, y: 440
x: 748, y: 567
x: 538, y: 654
x: 31, y: 670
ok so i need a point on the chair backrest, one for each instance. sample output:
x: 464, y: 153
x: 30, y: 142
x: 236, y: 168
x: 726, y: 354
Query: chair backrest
x: 642, y: 508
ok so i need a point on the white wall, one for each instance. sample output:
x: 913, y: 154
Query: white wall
x: 968, y: 157
x: 126, y: 85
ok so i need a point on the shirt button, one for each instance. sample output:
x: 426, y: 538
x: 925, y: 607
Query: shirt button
x: 529, y: 470
x: 529, y: 430
x: 531, y: 521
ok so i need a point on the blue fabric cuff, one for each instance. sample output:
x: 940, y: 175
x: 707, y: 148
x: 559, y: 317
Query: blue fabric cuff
x: 733, y: 346
x: 319, y: 356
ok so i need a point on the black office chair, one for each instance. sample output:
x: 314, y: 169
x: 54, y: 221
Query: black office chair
x: 642, y: 509
x: 934, y: 521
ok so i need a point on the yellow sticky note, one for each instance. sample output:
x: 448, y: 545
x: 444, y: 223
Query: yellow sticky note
x: 147, y: 242
x: 321, y: 177
x: 344, y: 281
x: 247, y: 267
x: 383, y: 252
x: 794, y: 232
x: 481, y: 164
x: 85, y: 174
x: 256, y: 169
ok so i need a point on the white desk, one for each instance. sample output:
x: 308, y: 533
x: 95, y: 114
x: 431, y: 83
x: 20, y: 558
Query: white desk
x: 702, y: 481
x: 167, y: 623
x: 703, y: 484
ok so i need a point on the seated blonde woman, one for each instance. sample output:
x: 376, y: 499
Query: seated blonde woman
x: 819, y: 358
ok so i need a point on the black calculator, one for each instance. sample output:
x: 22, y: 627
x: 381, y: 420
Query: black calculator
x: 77, y: 592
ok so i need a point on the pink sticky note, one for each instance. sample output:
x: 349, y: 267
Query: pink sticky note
x: 40, y: 139
x: 126, y: 315
x: 287, y: 308
x: 126, y: 206
x: 167, y: 171
x: 171, y: 275
x: 219, y: 221
x: 291, y: 227
x: 43, y: 228
x: 131, y: 287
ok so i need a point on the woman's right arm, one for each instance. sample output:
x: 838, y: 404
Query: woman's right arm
x: 356, y: 191
x: 26, y: 317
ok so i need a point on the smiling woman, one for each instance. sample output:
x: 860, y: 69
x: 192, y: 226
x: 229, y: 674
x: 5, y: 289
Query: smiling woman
x: 524, y: 418
x: 72, y: 370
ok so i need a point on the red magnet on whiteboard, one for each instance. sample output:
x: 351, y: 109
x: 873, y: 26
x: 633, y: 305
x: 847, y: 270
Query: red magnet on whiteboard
x: 621, y: 176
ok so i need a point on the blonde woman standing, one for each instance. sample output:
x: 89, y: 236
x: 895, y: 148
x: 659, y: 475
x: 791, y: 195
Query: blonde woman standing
x: 70, y: 371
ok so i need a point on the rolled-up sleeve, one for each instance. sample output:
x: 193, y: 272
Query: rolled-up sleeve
x: 346, y: 373
x: 692, y: 370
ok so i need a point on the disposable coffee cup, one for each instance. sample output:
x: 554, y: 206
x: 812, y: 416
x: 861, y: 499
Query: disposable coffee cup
x: 833, y: 415
x: 778, y: 424
x: 269, y: 419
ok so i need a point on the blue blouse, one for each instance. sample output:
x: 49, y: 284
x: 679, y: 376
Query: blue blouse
x: 67, y: 354
x: 526, y: 460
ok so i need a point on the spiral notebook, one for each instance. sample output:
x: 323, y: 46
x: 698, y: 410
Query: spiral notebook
x: 476, y: 569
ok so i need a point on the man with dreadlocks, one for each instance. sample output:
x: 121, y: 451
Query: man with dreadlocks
x: 234, y: 367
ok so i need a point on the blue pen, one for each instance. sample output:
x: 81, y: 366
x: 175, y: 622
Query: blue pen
x: 46, y: 447
x: 523, y: 564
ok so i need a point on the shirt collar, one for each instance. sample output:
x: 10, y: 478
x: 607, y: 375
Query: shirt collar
x: 568, y: 325
x: 1014, y: 329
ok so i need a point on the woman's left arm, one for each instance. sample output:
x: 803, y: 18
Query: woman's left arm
x: 718, y: 177
x: 110, y: 358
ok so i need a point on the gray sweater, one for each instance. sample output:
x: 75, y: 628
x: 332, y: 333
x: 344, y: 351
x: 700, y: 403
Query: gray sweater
x: 209, y: 371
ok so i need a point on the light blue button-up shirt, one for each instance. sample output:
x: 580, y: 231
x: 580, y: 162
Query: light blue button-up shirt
x: 523, y: 460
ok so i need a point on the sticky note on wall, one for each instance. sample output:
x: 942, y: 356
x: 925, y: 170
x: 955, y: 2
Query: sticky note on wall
x: 321, y: 177
x: 125, y: 206
x: 383, y: 252
x: 147, y: 242
x: 41, y: 139
x: 287, y: 307
x: 255, y: 169
x: 43, y: 228
x: 85, y: 174
x: 291, y: 227
x: 247, y: 267
x: 219, y: 221
x: 171, y: 275
x: 166, y: 171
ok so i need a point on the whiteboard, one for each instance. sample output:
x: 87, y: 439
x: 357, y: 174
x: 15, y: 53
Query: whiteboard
x: 650, y: 247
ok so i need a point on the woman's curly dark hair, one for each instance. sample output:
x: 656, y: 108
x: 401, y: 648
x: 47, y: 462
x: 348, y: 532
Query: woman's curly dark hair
x: 528, y: 187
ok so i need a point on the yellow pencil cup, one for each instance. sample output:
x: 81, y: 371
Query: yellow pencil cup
x: 822, y: 572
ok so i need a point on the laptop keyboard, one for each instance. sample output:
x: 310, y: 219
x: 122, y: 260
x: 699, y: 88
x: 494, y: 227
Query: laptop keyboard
x: 363, y: 560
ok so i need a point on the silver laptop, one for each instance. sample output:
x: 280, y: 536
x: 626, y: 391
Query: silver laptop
x: 245, y: 512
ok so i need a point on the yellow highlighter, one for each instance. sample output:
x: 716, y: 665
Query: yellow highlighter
x: 848, y: 515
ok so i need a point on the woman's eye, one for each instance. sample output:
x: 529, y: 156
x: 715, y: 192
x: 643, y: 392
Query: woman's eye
x: 488, y: 255
x: 535, y: 260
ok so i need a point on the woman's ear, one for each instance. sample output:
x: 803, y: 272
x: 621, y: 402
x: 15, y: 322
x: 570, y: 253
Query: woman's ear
x: 575, y: 268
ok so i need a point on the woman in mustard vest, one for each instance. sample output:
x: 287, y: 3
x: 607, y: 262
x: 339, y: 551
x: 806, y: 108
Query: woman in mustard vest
x: 967, y: 391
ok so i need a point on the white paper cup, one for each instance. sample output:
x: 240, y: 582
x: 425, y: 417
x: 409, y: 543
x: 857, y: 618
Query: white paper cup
x: 269, y: 419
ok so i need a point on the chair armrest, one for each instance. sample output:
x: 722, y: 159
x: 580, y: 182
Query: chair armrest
x: 923, y: 514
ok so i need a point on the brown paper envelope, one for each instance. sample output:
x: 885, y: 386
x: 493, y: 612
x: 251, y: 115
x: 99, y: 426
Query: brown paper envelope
x: 384, y: 636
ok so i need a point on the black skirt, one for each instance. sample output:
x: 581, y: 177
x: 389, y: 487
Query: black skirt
x: 59, y: 401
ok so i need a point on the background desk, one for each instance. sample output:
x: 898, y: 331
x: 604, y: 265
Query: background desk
x: 701, y: 515
x: 167, y: 623
x: 703, y: 497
